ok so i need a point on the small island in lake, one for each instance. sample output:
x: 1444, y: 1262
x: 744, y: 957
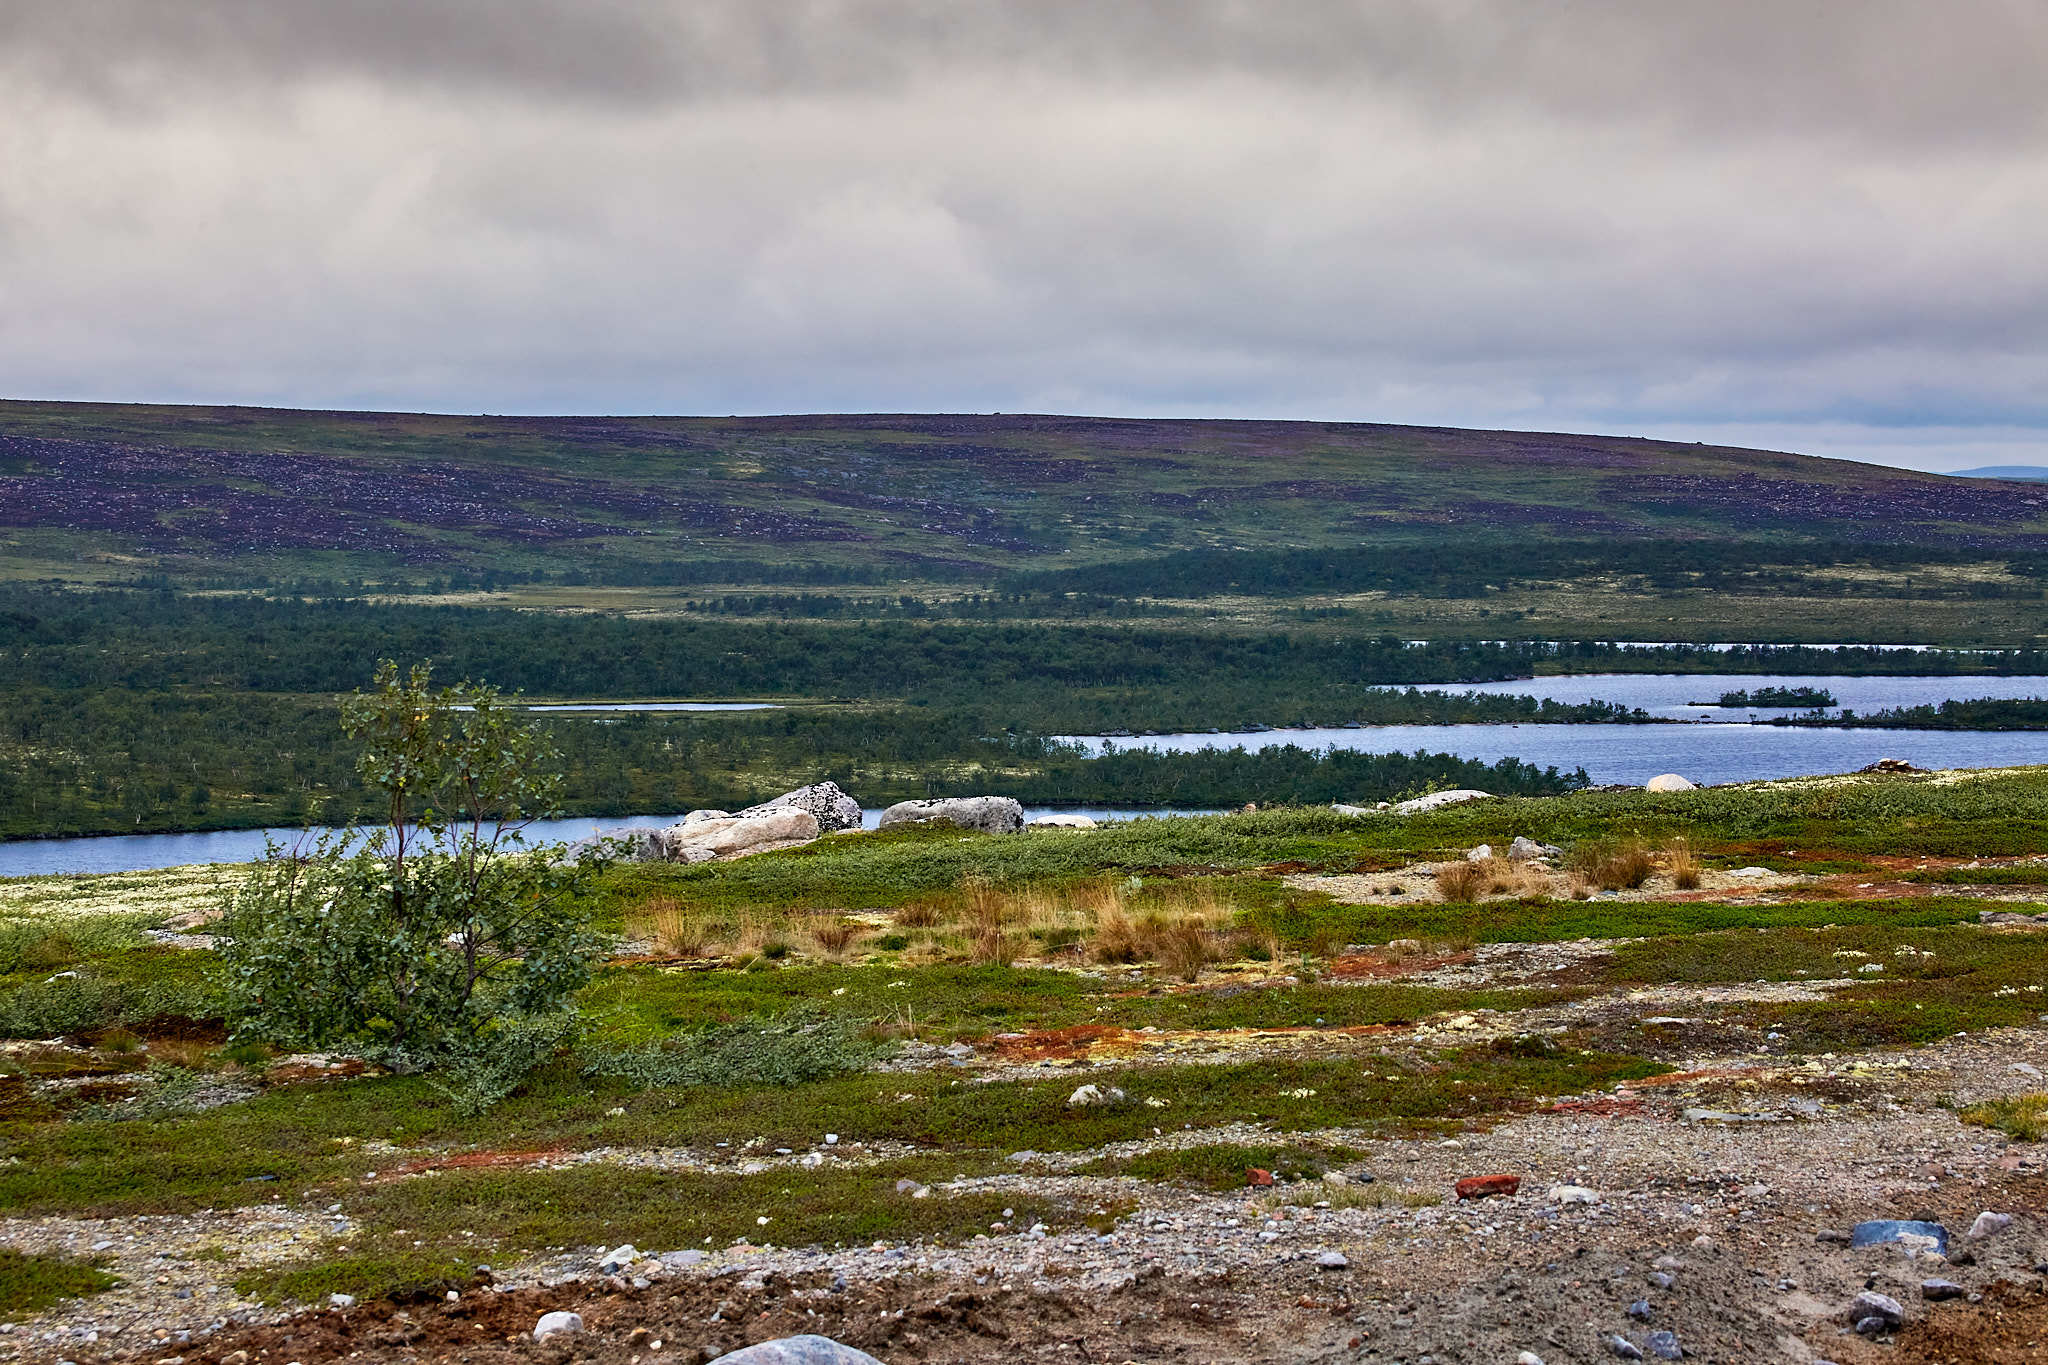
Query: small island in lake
x: 1790, y: 698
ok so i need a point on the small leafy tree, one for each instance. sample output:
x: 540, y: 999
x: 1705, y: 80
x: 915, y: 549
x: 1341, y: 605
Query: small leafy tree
x: 440, y: 939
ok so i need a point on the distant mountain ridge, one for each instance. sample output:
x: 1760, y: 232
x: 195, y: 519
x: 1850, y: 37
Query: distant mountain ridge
x: 135, y: 490
x: 2023, y: 473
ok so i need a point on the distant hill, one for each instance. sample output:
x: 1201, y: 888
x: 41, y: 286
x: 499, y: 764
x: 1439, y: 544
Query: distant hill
x: 2025, y: 473
x: 116, y: 492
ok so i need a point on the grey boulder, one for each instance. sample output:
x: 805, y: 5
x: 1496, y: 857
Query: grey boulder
x: 552, y: 1323
x: 989, y: 814
x: 832, y: 808
x: 804, y: 1350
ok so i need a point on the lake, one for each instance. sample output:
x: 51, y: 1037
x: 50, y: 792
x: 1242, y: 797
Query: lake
x: 142, y: 852
x: 1667, y: 694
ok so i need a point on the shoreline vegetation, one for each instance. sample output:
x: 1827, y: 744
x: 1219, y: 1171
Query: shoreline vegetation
x: 1788, y: 698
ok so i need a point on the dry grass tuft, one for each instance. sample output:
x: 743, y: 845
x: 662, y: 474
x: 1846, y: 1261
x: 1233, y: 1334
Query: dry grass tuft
x: 1461, y: 882
x: 1614, y: 867
x: 833, y: 936
x: 1685, y: 867
x: 676, y: 930
x: 921, y: 914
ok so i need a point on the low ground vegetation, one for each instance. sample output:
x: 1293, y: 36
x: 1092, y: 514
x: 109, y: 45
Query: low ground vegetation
x: 933, y: 1000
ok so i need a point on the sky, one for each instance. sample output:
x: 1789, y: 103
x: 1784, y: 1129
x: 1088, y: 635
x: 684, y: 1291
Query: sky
x: 1813, y: 225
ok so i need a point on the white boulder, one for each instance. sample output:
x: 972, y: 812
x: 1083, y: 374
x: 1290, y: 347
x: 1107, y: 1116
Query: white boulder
x: 833, y: 808
x: 1063, y: 821
x: 1437, y: 800
x: 552, y: 1323
x: 1479, y: 854
x: 735, y: 836
x: 990, y: 814
x: 1668, y: 782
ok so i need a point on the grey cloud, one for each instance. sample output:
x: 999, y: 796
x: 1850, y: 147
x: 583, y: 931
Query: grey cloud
x: 1668, y: 218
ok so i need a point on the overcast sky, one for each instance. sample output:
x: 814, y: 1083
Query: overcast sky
x: 1817, y: 226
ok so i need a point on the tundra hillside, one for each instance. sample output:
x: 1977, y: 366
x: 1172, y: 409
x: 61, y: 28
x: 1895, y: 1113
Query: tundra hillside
x: 1586, y: 1076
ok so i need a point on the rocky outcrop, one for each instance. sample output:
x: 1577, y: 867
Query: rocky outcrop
x: 1436, y: 800
x: 833, y: 809
x: 990, y: 814
x: 735, y: 836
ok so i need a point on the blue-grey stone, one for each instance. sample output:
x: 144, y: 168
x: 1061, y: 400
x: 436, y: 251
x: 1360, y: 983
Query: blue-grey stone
x: 1664, y: 1346
x: 803, y: 1350
x: 1881, y: 1230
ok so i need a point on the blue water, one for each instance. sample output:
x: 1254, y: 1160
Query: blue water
x: 141, y: 852
x: 1705, y: 753
x: 1667, y: 694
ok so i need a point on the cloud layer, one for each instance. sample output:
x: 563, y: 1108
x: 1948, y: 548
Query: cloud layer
x: 1816, y: 222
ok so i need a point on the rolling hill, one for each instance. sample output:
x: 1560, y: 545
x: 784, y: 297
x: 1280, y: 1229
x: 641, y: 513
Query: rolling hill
x: 113, y: 493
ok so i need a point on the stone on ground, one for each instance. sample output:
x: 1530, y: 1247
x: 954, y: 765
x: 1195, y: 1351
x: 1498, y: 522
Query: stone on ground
x: 1437, y: 800
x: 990, y: 814
x: 1988, y: 1225
x: 804, y: 1350
x: 552, y: 1323
x: 1063, y: 822
x: 833, y: 809
x: 1668, y: 782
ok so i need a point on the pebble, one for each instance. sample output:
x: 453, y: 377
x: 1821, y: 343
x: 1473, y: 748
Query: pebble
x: 1664, y: 1346
x: 1640, y: 1310
x: 552, y: 1323
x: 1333, y: 1260
x: 1624, y: 1348
x: 1934, y: 1291
x: 1484, y: 1186
x: 341, y: 1300
x: 1573, y: 1194
x: 1528, y: 1358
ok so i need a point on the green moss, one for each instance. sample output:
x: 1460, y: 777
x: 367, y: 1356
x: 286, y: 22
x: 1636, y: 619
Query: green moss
x: 394, y: 1274
x: 1225, y: 1166
x: 29, y: 1284
x: 2023, y: 1118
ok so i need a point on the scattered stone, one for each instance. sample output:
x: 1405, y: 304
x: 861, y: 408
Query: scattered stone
x: 1092, y: 1094
x: 1752, y: 874
x: 1479, y: 854
x: 1909, y: 1232
x: 804, y: 1350
x: 341, y: 1300
x: 680, y: 1260
x: 2027, y: 1069
x: 1438, y: 800
x: 1934, y: 1291
x: 1730, y: 1116
x: 1573, y: 1194
x: 1486, y: 1186
x: 1664, y: 1345
x: 1624, y: 1348
x: 1831, y: 1237
x: 989, y: 814
x: 1525, y: 849
x: 552, y: 1323
x: 1871, y: 1306
x: 1661, y: 1279
x: 1988, y: 1224
x: 1640, y: 1310
x: 1668, y: 782
x: 832, y: 808
x: 1333, y: 1260
x: 1257, y: 1175
x: 617, y: 1259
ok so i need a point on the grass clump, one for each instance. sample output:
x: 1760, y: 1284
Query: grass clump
x: 2023, y: 1118
x: 1225, y: 1166
x: 1685, y: 866
x: 1614, y: 867
x: 406, y: 1276
x: 29, y: 1284
x: 789, y: 1051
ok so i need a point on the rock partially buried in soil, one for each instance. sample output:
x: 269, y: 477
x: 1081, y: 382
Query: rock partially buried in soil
x: 1909, y: 1232
x: 1257, y: 1175
x: 1871, y: 1306
x: 1988, y: 1224
x: 1664, y: 1346
x: 1934, y: 1291
x: 803, y: 1350
x: 552, y: 1324
x: 1623, y: 1348
x: 1088, y: 1095
x: 1333, y: 1260
x: 1668, y: 782
x: 1486, y: 1186
x: 990, y: 814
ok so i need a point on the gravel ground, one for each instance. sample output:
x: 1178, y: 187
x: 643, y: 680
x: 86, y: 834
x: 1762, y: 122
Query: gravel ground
x: 1710, y: 1222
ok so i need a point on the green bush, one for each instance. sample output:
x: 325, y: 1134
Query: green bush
x: 439, y: 940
